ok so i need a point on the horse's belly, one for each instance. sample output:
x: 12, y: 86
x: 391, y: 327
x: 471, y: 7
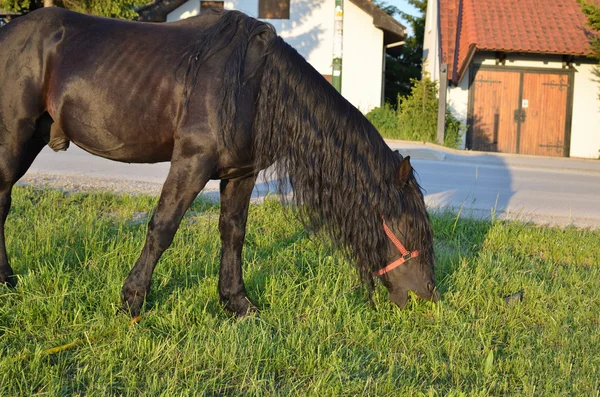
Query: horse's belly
x: 131, y: 153
x: 114, y: 120
x: 115, y: 138
x: 144, y: 147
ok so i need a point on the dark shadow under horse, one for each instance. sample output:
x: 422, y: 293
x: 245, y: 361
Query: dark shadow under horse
x: 220, y: 96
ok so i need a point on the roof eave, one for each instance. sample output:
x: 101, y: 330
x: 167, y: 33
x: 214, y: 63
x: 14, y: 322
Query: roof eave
x: 539, y: 52
x: 460, y: 72
x: 393, y: 31
x: 157, y: 10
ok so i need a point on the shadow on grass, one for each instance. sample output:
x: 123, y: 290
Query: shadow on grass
x: 456, y: 238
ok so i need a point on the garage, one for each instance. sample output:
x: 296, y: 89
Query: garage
x: 521, y: 110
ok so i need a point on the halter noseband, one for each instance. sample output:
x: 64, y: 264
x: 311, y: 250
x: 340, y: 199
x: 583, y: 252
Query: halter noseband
x: 406, y: 254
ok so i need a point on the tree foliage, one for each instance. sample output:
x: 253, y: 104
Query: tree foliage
x: 405, y: 67
x: 415, y: 119
x: 592, y: 12
x: 108, y: 8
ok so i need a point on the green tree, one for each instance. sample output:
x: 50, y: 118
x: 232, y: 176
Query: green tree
x: 592, y: 12
x: 405, y: 67
x: 108, y: 8
x: 415, y: 119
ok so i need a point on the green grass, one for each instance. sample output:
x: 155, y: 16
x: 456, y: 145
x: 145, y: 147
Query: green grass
x: 72, y: 253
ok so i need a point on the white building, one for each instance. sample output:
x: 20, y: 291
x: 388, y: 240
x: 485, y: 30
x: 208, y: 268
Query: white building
x: 517, y: 73
x: 308, y: 26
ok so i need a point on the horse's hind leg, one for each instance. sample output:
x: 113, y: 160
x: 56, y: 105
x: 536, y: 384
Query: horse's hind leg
x: 187, y: 177
x: 17, y: 152
x: 235, y: 198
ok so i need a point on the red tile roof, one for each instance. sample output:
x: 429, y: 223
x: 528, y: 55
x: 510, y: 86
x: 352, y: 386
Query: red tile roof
x: 534, y: 26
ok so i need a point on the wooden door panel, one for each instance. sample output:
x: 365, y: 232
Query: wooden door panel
x: 545, y: 108
x: 495, y: 97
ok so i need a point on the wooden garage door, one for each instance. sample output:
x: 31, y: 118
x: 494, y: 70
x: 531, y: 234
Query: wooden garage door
x: 544, y: 109
x: 495, y: 93
x: 520, y: 111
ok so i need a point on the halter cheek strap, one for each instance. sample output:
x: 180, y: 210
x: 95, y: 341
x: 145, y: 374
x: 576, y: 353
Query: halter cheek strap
x: 406, y: 254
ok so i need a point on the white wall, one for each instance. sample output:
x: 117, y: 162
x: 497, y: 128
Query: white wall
x: 431, y: 42
x: 585, y: 128
x: 531, y: 61
x: 310, y: 31
x: 363, y: 59
x: 458, y: 102
x: 188, y: 9
x: 249, y: 7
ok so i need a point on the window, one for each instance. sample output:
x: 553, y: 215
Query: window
x: 274, y: 9
x: 205, y: 5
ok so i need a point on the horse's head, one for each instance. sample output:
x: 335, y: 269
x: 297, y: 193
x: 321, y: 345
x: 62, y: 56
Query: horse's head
x: 409, y: 248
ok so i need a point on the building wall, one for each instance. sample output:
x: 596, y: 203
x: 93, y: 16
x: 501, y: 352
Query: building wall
x: 310, y: 31
x: 362, y: 77
x: 305, y: 30
x: 249, y: 7
x: 431, y: 42
x: 457, y: 100
x: 585, y: 128
x: 188, y: 9
x: 585, y: 125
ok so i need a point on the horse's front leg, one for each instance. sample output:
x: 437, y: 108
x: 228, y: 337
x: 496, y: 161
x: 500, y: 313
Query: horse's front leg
x: 16, y: 155
x: 235, y: 198
x: 6, y: 272
x: 187, y: 177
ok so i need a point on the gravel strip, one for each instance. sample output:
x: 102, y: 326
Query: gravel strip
x: 78, y: 183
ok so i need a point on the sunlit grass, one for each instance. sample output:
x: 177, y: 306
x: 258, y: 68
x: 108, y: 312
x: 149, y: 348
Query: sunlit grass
x: 72, y: 253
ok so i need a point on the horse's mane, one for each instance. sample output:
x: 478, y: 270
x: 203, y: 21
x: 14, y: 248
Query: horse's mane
x: 340, y: 170
x: 233, y: 29
x: 342, y: 174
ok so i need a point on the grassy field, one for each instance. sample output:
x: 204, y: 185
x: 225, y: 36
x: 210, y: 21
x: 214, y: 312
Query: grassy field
x: 72, y: 253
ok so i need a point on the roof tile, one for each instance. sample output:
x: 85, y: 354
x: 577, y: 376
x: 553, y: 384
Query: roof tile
x: 535, y: 26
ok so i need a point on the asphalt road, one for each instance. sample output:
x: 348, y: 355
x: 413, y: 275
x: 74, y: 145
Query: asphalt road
x: 538, y: 189
x: 542, y: 195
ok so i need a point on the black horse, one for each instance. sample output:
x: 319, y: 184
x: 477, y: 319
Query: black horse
x: 220, y: 96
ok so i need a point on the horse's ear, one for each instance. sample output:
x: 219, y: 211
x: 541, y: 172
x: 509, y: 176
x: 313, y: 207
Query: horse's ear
x: 404, y: 171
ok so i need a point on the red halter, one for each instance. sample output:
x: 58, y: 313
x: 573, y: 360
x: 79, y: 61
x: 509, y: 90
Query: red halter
x: 406, y: 254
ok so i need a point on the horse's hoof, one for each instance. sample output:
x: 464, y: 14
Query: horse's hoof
x: 250, y: 311
x: 242, y: 307
x: 8, y: 279
x: 132, y: 302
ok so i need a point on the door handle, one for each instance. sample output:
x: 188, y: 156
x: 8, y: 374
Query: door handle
x: 520, y: 116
